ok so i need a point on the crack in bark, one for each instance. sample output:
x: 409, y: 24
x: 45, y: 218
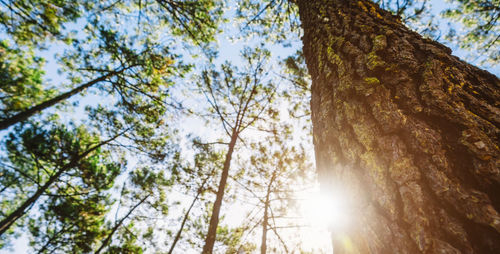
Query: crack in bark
x: 416, y: 121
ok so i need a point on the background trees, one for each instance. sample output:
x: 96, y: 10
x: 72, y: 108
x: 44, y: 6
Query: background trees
x: 237, y: 99
x: 95, y: 156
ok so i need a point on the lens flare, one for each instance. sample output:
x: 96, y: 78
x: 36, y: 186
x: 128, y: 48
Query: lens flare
x: 327, y: 210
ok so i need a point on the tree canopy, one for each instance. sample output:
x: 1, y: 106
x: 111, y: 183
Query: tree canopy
x: 170, y: 126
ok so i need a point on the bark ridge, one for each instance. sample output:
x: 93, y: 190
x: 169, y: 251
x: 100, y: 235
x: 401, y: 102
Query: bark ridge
x: 411, y: 129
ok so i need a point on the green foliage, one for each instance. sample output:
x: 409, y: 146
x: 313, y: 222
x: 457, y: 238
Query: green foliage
x: 72, y: 212
x: 481, y: 20
x: 197, y: 19
x: 233, y: 240
x: 271, y: 20
x: 135, y: 65
x: 22, y: 79
x: 298, y: 93
x: 34, y: 21
x: 474, y: 27
x: 142, y: 197
x: 417, y: 14
x: 71, y: 222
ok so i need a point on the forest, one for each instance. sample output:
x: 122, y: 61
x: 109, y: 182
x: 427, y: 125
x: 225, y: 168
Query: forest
x: 249, y: 126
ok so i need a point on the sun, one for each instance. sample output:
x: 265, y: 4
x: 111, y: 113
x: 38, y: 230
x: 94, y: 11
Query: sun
x: 327, y: 209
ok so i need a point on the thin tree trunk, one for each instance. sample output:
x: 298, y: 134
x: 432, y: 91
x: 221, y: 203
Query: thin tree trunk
x: 265, y: 221
x: 8, y: 221
x: 409, y: 130
x: 214, y: 219
x: 21, y: 116
x: 52, y: 238
x: 186, y: 217
x: 118, y: 225
x: 263, y: 243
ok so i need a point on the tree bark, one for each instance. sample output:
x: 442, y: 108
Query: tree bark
x: 411, y: 131
x: 214, y: 218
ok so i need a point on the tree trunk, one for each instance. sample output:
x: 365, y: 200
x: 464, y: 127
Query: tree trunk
x: 214, y: 218
x: 265, y: 220
x: 27, y: 113
x: 412, y: 130
x: 118, y: 224
x: 263, y: 243
x: 186, y: 217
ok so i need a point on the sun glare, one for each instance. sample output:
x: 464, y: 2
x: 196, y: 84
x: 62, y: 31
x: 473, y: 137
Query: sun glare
x: 330, y: 210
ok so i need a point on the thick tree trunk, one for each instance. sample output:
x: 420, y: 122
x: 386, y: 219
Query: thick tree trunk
x: 412, y: 130
x: 214, y: 218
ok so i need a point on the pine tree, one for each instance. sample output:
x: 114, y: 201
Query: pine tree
x: 410, y: 130
x: 238, y: 99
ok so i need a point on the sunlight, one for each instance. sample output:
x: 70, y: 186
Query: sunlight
x: 327, y: 210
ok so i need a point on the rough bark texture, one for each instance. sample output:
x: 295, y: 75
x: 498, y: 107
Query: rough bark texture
x: 412, y: 131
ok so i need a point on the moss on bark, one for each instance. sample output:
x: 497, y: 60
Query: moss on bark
x: 413, y: 130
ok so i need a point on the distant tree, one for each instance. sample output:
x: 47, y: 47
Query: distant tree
x: 61, y: 167
x: 120, y: 61
x: 481, y: 22
x: 197, y: 179
x: 237, y: 100
x: 271, y: 175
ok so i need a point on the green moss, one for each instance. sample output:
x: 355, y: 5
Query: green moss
x: 366, y: 29
x: 362, y: 6
x: 319, y: 51
x: 374, y: 61
x: 332, y: 56
x: 372, y: 81
x: 335, y: 59
x: 336, y: 41
x: 379, y: 42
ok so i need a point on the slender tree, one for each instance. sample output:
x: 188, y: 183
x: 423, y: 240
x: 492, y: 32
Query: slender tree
x: 117, y: 60
x: 237, y: 100
x: 411, y: 130
x: 142, y: 198
x: 196, y: 180
x: 74, y: 152
x: 270, y: 176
